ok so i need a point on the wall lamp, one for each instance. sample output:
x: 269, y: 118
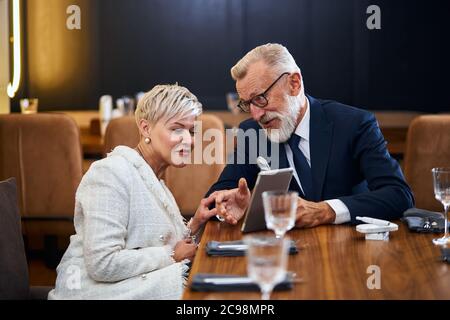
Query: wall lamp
x: 14, y: 86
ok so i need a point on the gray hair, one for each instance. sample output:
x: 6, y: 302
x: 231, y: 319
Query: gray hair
x: 276, y: 56
x: 165, y: 102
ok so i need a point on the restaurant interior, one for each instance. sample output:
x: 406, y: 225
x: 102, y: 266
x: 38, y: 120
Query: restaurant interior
x: 72, y: 72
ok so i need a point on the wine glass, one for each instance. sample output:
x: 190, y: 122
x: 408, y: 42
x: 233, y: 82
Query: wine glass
x: 266, y: 261
x: 280, y: 208
x: 441, y: 179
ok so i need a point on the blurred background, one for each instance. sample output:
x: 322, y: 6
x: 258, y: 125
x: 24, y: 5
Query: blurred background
x: 127, y: 46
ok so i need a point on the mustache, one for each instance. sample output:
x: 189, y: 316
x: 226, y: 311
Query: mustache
x: 269, y: 116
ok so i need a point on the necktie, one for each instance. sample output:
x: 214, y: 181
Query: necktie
x: 301, y: 166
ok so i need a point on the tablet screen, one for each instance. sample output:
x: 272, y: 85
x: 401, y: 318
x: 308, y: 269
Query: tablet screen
x: 267, y: 181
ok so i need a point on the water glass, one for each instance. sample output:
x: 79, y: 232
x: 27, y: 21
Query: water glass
x: 267, y: 258
x: 441, y: 181
x: 280, y: 208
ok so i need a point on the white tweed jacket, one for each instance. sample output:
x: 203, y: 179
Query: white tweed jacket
x: 127, y: 224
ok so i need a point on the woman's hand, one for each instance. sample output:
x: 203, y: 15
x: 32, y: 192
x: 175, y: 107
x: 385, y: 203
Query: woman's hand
x: 184, y: 249
x: 202, y: 214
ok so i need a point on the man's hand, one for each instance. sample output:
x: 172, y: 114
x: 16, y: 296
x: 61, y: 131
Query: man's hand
x: 231, y: 204
x: 311, y: 214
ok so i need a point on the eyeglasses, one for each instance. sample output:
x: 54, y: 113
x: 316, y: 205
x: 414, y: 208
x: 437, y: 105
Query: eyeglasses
x: 259, y: 100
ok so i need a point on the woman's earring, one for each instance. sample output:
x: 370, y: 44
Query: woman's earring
x: 147, y: 140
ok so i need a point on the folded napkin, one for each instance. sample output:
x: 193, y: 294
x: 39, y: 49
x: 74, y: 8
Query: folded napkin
x: 420, y: 220
x: 235, y: 248
x: 226, y: 282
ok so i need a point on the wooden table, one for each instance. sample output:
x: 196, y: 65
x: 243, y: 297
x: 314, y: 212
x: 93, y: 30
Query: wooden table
x: 333, y: 262
x: 92, y: 143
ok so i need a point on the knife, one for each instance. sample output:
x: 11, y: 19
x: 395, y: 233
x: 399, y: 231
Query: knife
x: 230, y: 280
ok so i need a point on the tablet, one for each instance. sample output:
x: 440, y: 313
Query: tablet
x: 267, y: 181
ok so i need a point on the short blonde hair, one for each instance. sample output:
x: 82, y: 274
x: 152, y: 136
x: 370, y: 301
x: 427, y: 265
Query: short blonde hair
x: 276, y: 56
x: 165, y: 102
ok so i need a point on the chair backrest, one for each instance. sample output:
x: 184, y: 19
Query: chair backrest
x: 427, y: 146
x: 121, y: 131
x: 43, y: 152
x: 13, y: 262
x: 188, y: 184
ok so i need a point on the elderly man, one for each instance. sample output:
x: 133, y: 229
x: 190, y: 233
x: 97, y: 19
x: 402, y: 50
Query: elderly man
x: 342, y: 166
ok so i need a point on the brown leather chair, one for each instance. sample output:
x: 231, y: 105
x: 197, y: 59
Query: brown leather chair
x: 14, y: 282
x: 43, y: 152
x: 427, y: 146
x: 188, y: 184
x: 121, y: 131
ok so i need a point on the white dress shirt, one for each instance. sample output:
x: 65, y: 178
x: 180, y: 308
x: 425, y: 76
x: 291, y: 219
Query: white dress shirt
x: 302, y: 130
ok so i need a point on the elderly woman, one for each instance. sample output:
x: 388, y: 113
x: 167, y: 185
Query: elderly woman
x: 131, y: 241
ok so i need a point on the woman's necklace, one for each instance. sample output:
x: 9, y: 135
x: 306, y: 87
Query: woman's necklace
x: 139, y: 151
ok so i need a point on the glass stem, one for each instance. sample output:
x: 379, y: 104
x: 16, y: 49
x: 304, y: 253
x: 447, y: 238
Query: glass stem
x: 266, y: 294
x: 446, y: 220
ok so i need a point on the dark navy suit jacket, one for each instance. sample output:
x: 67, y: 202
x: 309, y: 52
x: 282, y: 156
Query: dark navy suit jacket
x: 349, y: 161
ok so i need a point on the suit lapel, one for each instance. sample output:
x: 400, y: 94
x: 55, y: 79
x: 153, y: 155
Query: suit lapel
x: 320, y: 138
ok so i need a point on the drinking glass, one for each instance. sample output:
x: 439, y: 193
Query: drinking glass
x: 280, y: 208
x: 441, y: 180
x: 267, y: 258
x: 128, y: 103
x: 29, y: 106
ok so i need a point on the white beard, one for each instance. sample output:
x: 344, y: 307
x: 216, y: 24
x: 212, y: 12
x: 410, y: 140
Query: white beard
x: 287, y: 118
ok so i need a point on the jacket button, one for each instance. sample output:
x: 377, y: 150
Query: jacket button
x: 161, y: 238
x: 144, y: 276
